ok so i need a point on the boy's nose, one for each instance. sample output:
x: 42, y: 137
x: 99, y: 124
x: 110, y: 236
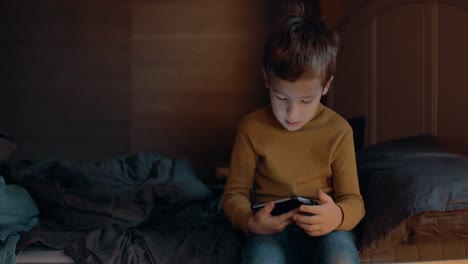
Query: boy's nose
x: 292, y: 112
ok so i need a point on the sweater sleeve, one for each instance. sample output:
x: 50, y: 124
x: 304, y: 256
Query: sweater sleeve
x: 346, y: 184
x: 236, y: 197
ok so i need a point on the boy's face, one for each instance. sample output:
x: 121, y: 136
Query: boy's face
x: 295, y: 103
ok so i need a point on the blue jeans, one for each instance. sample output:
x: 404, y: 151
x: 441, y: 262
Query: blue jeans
x: 293, y: 245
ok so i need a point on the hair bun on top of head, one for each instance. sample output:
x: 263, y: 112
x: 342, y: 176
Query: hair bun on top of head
x: 304, y: 22
x: 300, y: 15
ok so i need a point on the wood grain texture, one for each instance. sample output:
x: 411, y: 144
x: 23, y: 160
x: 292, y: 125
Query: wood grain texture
x: 417, y: 80
x: 65, y: 79
x: 95, y: 79
x: 196, y: 70
x: 452, y: 79
x: 400, y: 96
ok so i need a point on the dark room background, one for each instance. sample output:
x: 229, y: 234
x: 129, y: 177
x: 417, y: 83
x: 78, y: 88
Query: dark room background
x: 91, y: 80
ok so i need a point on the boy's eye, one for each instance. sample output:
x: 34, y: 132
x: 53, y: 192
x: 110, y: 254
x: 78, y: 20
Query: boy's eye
x: 306, y: 101
x: 281, y: 98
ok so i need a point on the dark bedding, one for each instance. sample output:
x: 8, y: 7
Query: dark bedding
x: 140, y: 208
x: 403, y: 178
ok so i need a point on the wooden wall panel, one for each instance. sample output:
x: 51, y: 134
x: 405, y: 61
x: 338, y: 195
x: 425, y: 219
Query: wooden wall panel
x: 65, y: 79
x: 452, y: 75
x: 385, y: 80
x: 351, y: 82
x: 334, y: 10
x: 95, y: 79
x: 399, y: 65
x: 418, y: 84
x: 196, y: 71
x: 400, y: 72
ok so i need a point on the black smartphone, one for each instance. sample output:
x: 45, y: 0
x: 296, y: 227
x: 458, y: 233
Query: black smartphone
x: 286, y: 204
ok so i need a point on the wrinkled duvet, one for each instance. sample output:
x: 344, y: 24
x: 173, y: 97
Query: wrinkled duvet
x: 140, y: 208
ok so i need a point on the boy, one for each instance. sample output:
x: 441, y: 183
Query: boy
x: 296, y: 147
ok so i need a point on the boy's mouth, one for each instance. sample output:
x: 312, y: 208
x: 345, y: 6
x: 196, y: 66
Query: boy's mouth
x: 292, y: 124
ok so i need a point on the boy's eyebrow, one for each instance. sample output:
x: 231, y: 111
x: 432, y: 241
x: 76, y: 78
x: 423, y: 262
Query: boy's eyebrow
x: 302, y: 97
x: 276, y: 91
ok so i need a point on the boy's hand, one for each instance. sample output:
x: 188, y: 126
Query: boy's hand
x: 263, y: 223
x: 326, y: 217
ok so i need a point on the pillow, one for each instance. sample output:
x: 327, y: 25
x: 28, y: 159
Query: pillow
x: 402, y: 179
x: 7, y: 146
x: 358, y: 125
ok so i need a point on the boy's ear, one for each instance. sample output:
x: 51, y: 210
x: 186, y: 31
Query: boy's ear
x: 327, y: 86
x: 265, y: 78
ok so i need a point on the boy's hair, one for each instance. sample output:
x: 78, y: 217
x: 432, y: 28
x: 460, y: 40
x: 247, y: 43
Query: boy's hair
x: 302, y: 47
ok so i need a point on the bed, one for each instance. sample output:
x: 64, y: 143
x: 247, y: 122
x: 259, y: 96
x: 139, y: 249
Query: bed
x: 403, y: 62
x: 146, y: 208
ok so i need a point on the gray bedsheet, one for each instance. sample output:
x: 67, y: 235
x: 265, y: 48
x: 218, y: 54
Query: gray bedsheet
x: 140, y: 208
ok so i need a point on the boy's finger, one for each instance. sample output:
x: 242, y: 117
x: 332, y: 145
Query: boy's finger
x: 268, y: 208
x: 310, y: 209
x: 323, y: 197
x: 309, y: 220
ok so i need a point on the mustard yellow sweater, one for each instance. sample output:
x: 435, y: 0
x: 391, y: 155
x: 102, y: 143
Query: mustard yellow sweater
x: 271, y: 162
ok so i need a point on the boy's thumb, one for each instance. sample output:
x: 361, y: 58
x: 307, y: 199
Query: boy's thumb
x: 269, y: 207
x: 323, y: 197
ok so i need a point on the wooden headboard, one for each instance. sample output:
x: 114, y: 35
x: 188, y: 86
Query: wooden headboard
x: 403, y: 65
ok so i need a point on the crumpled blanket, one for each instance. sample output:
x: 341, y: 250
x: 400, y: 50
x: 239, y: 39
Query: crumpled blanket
x: 18, y: 213
x: 139, y: 208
